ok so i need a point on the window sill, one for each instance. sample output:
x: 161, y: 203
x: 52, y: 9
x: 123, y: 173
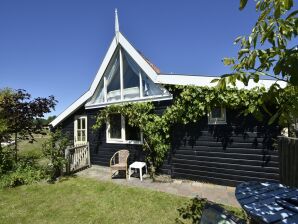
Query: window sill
x: 131, y: 142
x: 217, y: 123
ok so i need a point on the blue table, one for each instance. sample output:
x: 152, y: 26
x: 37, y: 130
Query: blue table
x: 269, y: 202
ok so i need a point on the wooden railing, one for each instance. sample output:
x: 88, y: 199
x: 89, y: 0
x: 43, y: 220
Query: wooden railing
x: 78, y: 158
x: 288, y: 161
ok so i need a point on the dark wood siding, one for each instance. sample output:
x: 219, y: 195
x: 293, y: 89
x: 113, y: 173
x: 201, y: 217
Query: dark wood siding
x: 241, y: 150
x: 101, y: 151
x: 67, y: 126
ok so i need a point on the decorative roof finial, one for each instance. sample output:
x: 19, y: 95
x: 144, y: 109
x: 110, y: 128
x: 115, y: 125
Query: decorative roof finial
x: 116, y: 24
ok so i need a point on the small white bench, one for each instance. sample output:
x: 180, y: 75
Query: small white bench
x: 137, y: 165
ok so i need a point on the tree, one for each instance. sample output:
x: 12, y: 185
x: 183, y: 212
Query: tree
x: 269, y: 51
x: 18, y: 113
x: 268, y: 48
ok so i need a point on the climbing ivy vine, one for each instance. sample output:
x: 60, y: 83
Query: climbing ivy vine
x: 190, y: 104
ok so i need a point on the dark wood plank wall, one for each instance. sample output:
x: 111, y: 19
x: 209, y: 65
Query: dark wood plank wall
x: 242, y: 150
x: 288, y: 152
x: 222, y: 154
x: 101, y: 151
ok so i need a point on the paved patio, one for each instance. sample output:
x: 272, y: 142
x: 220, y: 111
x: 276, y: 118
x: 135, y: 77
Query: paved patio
x: 215, y: 193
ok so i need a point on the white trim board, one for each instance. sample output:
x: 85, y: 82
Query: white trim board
x: 151, y: 99
x: 206, y: 81
x: 72, y: 108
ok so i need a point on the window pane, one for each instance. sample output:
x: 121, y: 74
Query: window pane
x: 83, y: 123
x: 83, y: 136
x: 131, y: 81
x: 79, y: 136
x: 115, y: 126
x: 216, y: 112
x: 150, y: 88
x: 113, y: 80
x: 98, y: 96
x: 132, y: 133
x: 79, y: 123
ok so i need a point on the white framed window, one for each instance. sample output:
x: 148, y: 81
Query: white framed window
x: 217, y: 116
x: 80, y: 130
x: 119, y: 131
x: 125, y: 81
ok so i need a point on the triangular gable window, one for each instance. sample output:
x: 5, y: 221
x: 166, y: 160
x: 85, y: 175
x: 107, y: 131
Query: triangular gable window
x: 124, y: 80
x: 131, y: 78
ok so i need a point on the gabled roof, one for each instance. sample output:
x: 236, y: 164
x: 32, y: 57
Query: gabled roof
x: 119, y: 39
x: 155, y: 68
x: 151, y: 70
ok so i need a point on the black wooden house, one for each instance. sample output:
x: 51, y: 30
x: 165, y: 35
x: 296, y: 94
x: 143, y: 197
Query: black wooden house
x: 222, y: 148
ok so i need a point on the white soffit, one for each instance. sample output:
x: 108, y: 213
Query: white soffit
x: 206, y: 81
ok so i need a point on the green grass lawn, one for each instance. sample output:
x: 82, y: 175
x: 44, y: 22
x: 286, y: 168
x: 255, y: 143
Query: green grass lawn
x: 79, y: 200
x: 27, y: 149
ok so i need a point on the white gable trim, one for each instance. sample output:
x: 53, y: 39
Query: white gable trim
x: 112, y: 48
x: 104, y: 65
x: 72, y: 108
x: 135, y: 55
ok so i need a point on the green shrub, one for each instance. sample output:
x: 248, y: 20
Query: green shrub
x: 6, y: 160
x: 54, y: 150
x: 192, y: 211
x: 24, y: 172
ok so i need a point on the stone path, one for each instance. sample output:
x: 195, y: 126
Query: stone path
x: 215, y: 193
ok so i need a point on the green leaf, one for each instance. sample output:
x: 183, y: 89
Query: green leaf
x: 288, y: 4
x: 237, y: 39
x: 214, y: 80
x: 277, y: 11
x: 228, y: 61
x: 273, y: 118
x: 256, y: 78
x: 242, y: 4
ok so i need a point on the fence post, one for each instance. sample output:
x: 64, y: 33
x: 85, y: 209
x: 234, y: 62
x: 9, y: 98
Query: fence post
x: 67, y: 157
x: 88, y: 154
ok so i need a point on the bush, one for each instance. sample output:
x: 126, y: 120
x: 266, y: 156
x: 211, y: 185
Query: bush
x: 24, y: 172
x: 54, y: 150
x: 6, y: 160
x: 192, y: 211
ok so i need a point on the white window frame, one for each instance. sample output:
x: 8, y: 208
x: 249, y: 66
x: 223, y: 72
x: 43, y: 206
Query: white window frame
x: 79, y: 117
x: 164, y: 96
x: 121, y: 140
x: 218, y: 120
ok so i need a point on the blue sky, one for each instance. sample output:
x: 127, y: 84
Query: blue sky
x: 56, y: 47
